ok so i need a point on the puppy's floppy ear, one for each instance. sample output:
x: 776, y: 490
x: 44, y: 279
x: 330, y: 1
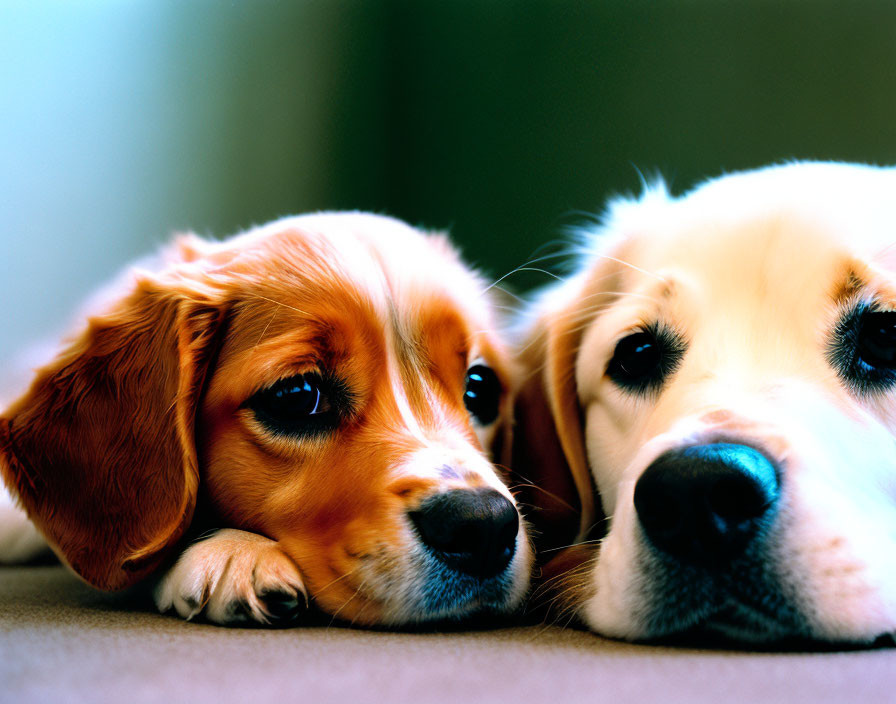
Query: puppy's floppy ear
x: 101, y: 449
x: 548, y: 457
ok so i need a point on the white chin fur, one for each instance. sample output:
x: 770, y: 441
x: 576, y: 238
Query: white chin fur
x: 839, y: 559
x: 831, y: 553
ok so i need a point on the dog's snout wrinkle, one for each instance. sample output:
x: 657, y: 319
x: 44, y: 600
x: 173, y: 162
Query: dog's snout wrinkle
x: 472, y: 531
x: 704, y: 504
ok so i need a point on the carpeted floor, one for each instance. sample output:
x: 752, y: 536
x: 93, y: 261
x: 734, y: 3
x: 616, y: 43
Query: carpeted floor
x: 60, y: 641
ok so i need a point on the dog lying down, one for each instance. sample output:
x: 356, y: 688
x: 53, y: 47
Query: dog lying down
x: 320, y: 389
x: 723, y: 367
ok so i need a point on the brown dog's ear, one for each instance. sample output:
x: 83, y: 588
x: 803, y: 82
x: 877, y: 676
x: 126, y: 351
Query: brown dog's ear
x: 101, y: 449
x: 548, y: 458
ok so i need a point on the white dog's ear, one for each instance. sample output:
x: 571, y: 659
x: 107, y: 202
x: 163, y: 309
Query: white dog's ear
x: 548, y: 454
x: 549, y: 448
x: 100, y: 450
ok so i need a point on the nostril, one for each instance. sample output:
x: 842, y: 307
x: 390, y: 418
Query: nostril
x: 472, y: 531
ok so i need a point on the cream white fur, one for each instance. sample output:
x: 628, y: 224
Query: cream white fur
x: 745, y: 268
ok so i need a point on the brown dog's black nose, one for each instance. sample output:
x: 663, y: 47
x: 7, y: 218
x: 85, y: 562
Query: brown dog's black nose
x: 704, y: 504
x: 470, y: 530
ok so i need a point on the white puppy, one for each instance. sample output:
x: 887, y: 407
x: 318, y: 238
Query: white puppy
x: 723, y: 367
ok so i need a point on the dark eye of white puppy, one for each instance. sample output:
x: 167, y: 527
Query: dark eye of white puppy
x: 482, y: 395
x: 300, y: 405
x: 643, y: 360
x: 864, y: 349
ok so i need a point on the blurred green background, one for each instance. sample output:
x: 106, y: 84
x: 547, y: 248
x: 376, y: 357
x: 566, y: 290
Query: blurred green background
x: 503, y: 121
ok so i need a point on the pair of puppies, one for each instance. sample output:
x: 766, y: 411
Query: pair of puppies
x: 710, y: 395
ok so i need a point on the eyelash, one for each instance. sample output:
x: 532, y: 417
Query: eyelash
x: 854, y: 345
x: 302, y: 406
x: 645, y: 358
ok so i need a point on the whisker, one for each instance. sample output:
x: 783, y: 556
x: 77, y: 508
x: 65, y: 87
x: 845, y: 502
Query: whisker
x: 547, y: 585
x: 594, y: 541
x: 543, y: 491
x: 561, y: 595
x: 578, y: 566
x: 263, y: 332
x: 278, y: 303
x: 510, y: 309
x: 529, y: 483
x: 555, y: 623
x: 629, y: 265
x: 358, y: 615
x: 341, y: 577
x: 546, y: 257
x: 519, y: 269
x: 574, y: 581
x: 347, y: 601
x: 204, y: 535
x: 506, y: 293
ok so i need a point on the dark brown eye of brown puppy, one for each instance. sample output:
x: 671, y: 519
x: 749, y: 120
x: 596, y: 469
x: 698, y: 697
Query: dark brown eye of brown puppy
x: 300, y: 406
x: 482, y: 395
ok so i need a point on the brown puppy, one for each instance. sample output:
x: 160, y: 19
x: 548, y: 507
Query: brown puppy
x: 323, y: 389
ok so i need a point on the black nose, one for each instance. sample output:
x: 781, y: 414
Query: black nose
x: 704, y: 504
x: 472, y: 531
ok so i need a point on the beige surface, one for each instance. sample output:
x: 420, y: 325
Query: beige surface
x: 60, y: 641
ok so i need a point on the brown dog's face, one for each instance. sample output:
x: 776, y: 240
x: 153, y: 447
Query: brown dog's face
x: 337, y: 408
x: 731, y: 359
x: 349, y: 386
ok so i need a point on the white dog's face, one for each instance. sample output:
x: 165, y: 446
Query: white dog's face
x: 733, y: 359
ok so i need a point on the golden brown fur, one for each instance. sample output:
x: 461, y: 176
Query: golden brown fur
x: 143, y: 420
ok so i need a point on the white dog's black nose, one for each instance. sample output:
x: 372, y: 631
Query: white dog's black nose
x: 705, y: 503
x: 470, y: 530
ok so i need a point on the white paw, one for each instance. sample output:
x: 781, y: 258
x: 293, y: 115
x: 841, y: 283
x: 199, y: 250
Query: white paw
x: 231, y: 578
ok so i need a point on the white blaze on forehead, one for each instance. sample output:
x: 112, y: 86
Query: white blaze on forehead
x: 442, y: 428
x: 397, y: 385
x: 453, y: 461
x: 396, y: 270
